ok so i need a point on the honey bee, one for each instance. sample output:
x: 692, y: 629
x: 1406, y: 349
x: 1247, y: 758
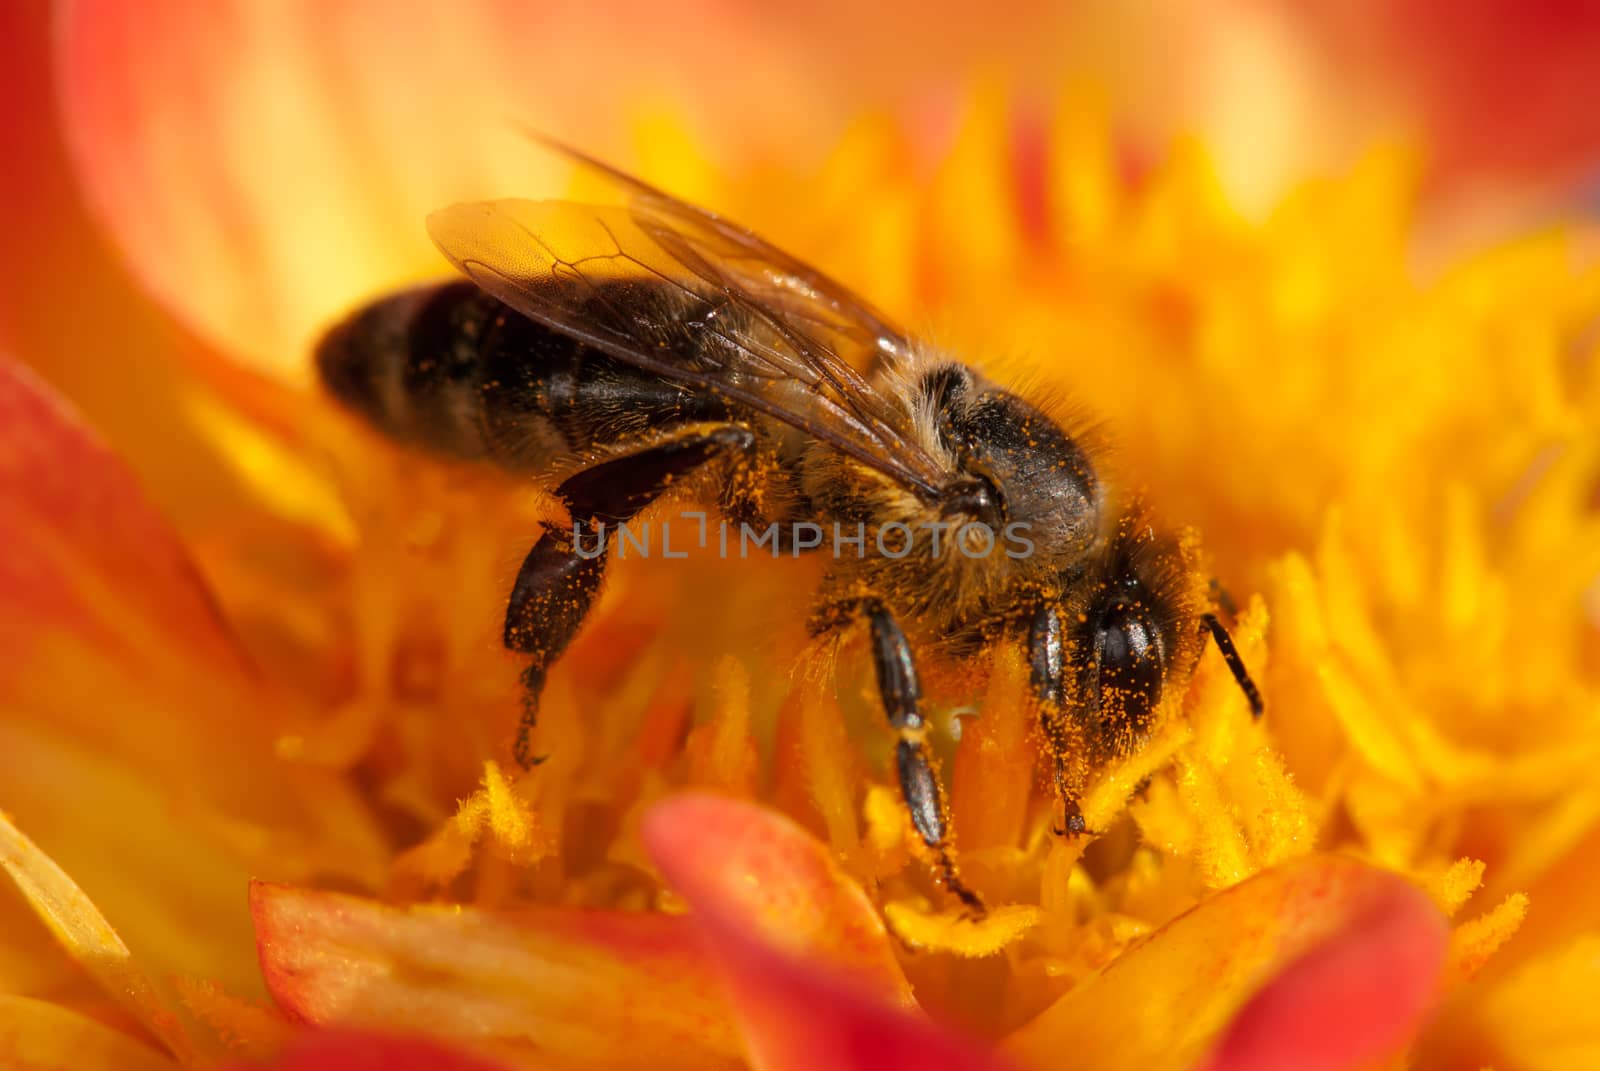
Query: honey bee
x: 618, y: 351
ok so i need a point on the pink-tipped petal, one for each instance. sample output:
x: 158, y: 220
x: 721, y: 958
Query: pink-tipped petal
x: 803, y: 957
x: 1349, y: 1002
x: 1162, y: 1005
x: 759, y: 868
x: 799, y: 1016
x: 567, y: 986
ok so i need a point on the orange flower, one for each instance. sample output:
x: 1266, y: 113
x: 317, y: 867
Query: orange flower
x: 251, y: 719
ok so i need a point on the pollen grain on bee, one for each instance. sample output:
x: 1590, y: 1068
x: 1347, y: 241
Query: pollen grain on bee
x: 674, y: 539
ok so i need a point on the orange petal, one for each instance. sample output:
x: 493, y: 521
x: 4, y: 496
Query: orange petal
x: 351, y: 1051
x: 100, y: 607
x: 1206, y: 963
x: 75, y: 523
x: 776, y: 881
x: 1349, y: 1002
x: 800, y: 959
x: 585, y: 987
x: 39, y: 1036
x: 124, y: 697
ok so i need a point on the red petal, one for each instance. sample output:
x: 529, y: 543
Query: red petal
x: 766, y: 894
x: 1499, y: 83
x: 1349, y: 1002
x: 586, y: 987
x: 351, y: 1051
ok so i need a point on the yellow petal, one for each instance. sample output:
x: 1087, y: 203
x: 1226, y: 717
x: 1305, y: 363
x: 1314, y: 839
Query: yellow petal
x: 173, y: 898
x: 91, y: 941
x: 31, y: 962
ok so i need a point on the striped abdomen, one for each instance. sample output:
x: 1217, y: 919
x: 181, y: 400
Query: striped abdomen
x: 456, y: 371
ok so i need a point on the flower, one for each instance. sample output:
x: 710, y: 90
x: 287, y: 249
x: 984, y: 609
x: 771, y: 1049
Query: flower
x: 250, y: 716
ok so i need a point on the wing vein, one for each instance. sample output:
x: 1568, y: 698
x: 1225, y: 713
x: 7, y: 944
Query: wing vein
x: 681, y: 293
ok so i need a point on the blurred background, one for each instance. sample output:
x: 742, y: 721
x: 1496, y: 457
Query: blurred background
x: 1495, y: 96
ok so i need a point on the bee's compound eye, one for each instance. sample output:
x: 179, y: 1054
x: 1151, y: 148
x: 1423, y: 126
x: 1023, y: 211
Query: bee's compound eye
x: 976, y: 497
x: 1133, y: 662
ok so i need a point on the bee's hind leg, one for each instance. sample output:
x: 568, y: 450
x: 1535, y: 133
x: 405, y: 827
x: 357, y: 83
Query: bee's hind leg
x: 554, y: 590
x: 561, y: 576
x: 901, y: 691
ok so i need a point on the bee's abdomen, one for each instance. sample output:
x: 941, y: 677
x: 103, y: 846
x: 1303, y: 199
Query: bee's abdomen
x: 411, y: 364
x: 451, y: 369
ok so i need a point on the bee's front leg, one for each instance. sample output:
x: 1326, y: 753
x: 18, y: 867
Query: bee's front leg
x: 1047, y: 670
x: 901, y: 691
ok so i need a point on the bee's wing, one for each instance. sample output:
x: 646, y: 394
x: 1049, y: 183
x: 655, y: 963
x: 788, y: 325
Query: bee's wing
x: 694, y: 305
x: 805, y: 295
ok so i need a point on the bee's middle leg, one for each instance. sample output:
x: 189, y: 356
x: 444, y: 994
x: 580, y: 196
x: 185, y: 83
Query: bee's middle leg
x: 561, y: 576
x: 901, y: 692
x: 1047, y: 672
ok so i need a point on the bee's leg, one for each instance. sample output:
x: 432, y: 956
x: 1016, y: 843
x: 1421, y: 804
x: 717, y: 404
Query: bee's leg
x: 902, y: 697
x: 554, y: 590
x: 1047, y: 661
x: 901, y: 692
x: 561, y: 576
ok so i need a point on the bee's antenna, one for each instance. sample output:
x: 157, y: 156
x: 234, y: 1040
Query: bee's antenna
x: 1224, y: 598
x: 1230, y: 655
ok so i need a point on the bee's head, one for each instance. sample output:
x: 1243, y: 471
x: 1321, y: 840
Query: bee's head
x: 1019, y: 473
x: 1129, y: 640
x: 1137, y: 623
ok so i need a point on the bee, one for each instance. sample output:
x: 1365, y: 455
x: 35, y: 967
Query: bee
x: 617, y: 352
